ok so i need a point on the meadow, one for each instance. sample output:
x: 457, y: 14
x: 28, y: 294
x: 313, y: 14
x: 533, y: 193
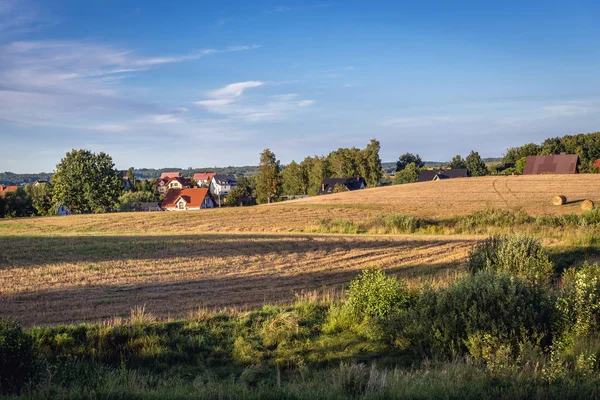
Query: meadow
x: 245, y: 302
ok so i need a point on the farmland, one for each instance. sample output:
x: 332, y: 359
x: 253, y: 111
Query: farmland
x: 249, y: 301
x: 93, y: 267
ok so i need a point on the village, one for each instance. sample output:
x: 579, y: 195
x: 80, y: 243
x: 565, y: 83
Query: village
x: 205, y: 190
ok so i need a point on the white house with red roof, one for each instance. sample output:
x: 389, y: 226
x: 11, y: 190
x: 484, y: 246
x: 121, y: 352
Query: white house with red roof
x: 187, y: 199
x: 204, y: 178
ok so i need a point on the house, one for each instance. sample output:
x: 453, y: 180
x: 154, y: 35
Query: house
x: 427, y: 175
x: 40, y: 182
x: 7, y: 189
x: 220, y: 185
x: 553, y: 164
x: 204, y: 178
x: 328, y: 185
x: 187, y: 199
x: 165, y: 184
x: 167, y: 175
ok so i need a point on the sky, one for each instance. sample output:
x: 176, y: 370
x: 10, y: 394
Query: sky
x: 159, y: 83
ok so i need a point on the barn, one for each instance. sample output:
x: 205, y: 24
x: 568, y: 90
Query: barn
x: 552, y: 164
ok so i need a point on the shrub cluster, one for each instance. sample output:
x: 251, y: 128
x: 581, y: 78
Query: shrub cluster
x: 16, y: 357
x: 517, y: 255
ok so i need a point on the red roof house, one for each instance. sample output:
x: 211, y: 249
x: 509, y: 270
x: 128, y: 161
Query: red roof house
x: 7, y: 189
x: 187, y: 199
x: 167, y: 175
x: 203, y: 178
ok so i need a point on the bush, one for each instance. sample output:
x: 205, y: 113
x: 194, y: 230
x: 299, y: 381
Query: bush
x: 394, y: 223
x: 579, y: 300
x: 497, y: 218
x: 461, y: 318
x: 16, y: 357
x: 374, y: 295
x: 520, y: 256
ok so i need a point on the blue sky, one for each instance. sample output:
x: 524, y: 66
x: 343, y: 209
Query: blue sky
x: 200, y: 84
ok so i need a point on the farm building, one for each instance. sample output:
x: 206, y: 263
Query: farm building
x: 328, y: 185
x: 444, y: 173
x: 553, y: 164
x: 187, y: 199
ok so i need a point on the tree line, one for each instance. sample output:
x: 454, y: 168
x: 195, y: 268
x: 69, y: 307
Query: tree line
x: 585, y: 145
x: 306, y: 177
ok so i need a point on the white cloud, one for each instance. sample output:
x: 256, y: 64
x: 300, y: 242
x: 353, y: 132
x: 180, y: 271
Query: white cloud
x: 234, y: 89
x: 229, y: 101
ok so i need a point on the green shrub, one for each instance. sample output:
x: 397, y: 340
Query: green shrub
x: 338, y: 226
x: 16, y: 357
x: 374, y: 295
x: 493, y: 217
x: 394, y: 223
x: 518, y: 255
x: 450, y: 321
x: 579, y: 300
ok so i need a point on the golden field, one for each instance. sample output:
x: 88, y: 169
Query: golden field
x: 93, y: 267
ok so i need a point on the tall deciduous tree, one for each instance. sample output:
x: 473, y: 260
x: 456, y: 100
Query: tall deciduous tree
x: 87, y: 182
x: 408, y: 158
x: 409, y: 174
x: 475, y: 165
x: 457, y: 163
x: 319, y: 170
x: 292, y: 180
x: 268, y: 180
x: 371, y: 163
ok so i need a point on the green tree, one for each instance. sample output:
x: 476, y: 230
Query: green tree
x: 370, y: 168
x: 131, y: 177
x: 520, y: 165
x: 551, y: 146
x: 457, y: 163
x: 132, y: 201
x: 408, y: 174
x: 86, y: 182
x: 345, y: 163
x: 319, y: 170
x: 268, y: 180
x: 408, y: 158
x: 475, y: 165
x: 292, y: 180
x: 41, y: 198
x: 237, y: 195
x: 17, y: 204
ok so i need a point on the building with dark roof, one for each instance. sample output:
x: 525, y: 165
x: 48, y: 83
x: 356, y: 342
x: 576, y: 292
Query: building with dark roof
x: 328, y: 185
x: 553, y: 164
x: 427, y: 175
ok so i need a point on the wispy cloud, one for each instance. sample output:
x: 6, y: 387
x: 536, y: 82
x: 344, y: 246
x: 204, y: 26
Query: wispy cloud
x: 56, y: 81
x: 229, y: 101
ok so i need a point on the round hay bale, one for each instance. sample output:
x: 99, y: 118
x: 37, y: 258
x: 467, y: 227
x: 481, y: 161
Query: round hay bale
x: 559, y: 200
x: 587, y: 205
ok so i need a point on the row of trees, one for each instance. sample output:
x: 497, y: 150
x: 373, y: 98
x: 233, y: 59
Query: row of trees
x: 585, y: 145
x: 305, y: 178
x: 409, y: 166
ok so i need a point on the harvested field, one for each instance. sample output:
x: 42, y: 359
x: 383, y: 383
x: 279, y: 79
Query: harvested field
x: 53, y: 280
x: 451, y: 197
x: 441, y: 200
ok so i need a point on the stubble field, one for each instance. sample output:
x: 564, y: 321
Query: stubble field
x: 93, y: 267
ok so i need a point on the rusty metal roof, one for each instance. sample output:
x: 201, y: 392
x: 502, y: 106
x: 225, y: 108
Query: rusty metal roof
x: 555, y: 164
